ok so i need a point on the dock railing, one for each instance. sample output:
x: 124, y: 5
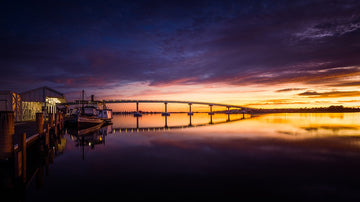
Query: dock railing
x: 16, y: 154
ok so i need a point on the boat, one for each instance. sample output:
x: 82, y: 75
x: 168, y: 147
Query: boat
x: 105, y: 114
x: 84, y: 120
x: 88, y: 115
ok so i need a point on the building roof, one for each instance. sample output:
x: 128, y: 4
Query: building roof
x: 40, y: 94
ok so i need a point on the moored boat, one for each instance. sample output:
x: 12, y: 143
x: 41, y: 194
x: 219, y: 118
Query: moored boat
x: 105, y: 114
x: 86, y: 116
x: 81, y: 120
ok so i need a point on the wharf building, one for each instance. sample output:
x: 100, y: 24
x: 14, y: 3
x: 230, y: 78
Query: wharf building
x: 25, y: 105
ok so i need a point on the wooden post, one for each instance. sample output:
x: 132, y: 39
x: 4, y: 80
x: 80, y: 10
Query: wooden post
x: 47, y: 136
x: 23, y: 154
x: 57, y: 117
x: 40, y: 122
x: 7, y: 130
x: 61, y: 119
x: 51, y: 120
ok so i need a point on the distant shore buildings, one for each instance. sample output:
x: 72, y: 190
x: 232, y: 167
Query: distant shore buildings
x: 25, y: 105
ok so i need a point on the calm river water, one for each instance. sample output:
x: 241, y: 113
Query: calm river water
x: 284, y: 157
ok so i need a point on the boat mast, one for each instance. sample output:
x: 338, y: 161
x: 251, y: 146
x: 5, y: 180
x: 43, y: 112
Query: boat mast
x: 82, y: 103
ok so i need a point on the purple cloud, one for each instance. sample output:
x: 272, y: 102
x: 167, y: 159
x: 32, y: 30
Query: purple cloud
x: 104, y: 45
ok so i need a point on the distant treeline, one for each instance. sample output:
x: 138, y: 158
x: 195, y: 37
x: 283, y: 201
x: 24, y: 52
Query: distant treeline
x: 332, y: 108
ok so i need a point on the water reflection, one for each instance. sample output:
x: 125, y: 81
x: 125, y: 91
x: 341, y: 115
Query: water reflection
x: 89, y: 139
x: 301, y: 157
x: 154, y: 121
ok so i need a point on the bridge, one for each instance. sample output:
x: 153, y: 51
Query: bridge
x: 166, y: 102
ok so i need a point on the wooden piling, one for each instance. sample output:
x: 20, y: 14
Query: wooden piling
x: 23, y: 154
x: 47, y: 136
x: 57, y: 121
x: 40, y: 122
x: 7, y: 130
x: 57, y: 116
x: 60, y: 121
x: 51, y: 120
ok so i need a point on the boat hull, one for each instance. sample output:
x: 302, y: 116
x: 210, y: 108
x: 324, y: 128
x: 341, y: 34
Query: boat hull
x: 82, y: 122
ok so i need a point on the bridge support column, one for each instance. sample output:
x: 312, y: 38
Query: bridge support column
x: 228, y: 113
x: 137, y: 114
x: 165, y: 113
x: 137, y: 122
x: 190, y: 113
x: 211, y: 111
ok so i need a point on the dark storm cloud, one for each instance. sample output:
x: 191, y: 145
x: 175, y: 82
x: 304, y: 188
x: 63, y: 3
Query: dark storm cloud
x: 76, y: 44
x: 346, y: 84
x: 331, y: 94
x: 289, y: 89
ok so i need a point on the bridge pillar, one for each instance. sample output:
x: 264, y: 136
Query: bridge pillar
x: 137, y: 122
x: 190, y: 113
x: 165, y: 113
x: 137, y: 114
x: 211, y: 112
x: 228, y: 110
x: 228, y: 113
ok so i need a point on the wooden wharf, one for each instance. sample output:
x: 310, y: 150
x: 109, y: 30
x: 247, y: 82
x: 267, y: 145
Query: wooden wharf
x: 23, y: 160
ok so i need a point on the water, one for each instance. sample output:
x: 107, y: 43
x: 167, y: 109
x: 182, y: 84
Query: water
x: 290, y: 157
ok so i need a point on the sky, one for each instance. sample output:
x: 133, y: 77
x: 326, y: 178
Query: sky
x: 260, y: 54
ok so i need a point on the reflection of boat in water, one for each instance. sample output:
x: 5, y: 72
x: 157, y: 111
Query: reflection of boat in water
x: 91, y: 138
x: 85, y: 129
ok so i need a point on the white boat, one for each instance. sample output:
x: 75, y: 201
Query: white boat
x: 84, y: 120
x: 89, y: 114
x: 105, y: 114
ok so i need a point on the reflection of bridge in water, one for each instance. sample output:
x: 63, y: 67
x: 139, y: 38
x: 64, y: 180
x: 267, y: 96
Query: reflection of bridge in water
x: 166, y: 127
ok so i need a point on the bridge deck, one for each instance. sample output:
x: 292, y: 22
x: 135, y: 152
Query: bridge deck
x: 168, y: 101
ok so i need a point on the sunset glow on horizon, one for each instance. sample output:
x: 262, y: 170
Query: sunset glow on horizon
x: 257, y: 54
